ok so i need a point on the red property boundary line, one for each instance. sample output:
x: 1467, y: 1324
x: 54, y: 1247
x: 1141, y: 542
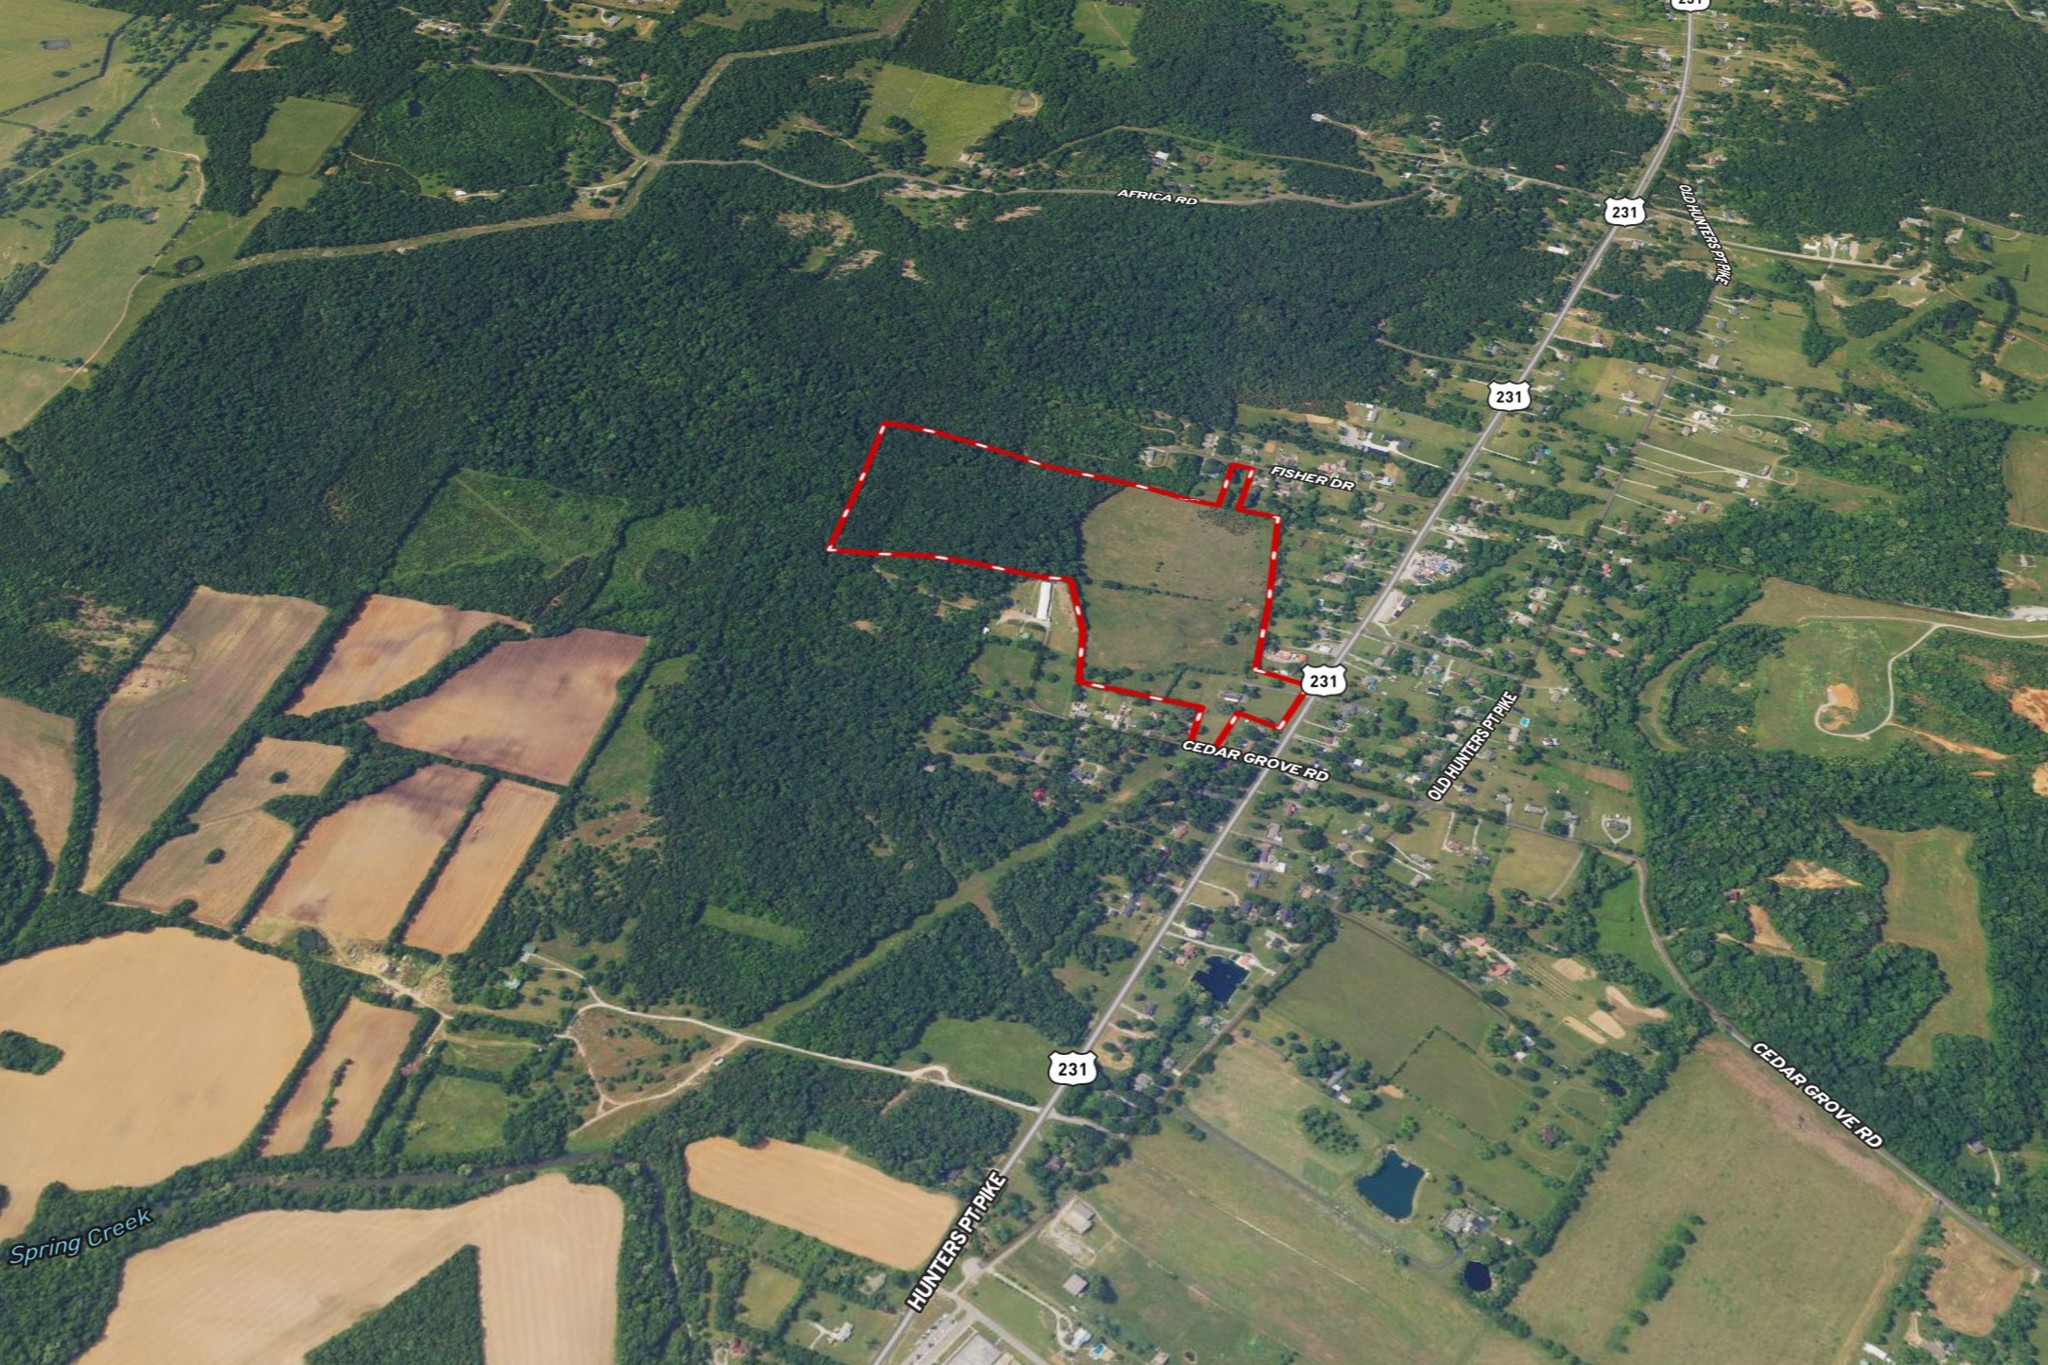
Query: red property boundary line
x: 1221, y: 501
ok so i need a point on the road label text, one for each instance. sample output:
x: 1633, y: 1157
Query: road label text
x: 956, y: 1241
x: 1281, y: 471
x: 1835, y: 1109
x: 1279, y: 765
x: 1474, y: 742
x: 1723, y: 271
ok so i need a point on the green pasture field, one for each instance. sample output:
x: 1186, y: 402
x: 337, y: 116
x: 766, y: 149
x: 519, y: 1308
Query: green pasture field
x: 457, y: 1115
x: 1930, y: 902
x: 1377, y: 999
x: 1447, y: 1077
x: 1257, y: 1099
x: 1765, y: 345
x: 988, y: 1052
x: 1444, y: 1149
x: 1221, y: 1257
x: 952, y: 115
x: 1106, y: 31
x: 1157, y: 636
x: 1619, y: 922
x: 299, y: 133
x: 656, y: 549
x: 158, y: 119
x: 27, y: 73
x: 1802, y: 1228
x: 479, y: 518
x: 739, y: 13
x: 485, y: 1051
x: 77, y: 307
x: 767, y: 1292
x: 1818, y: 655
x: 624, y: 770
x: 1536, y: 864
x: 752, y: 926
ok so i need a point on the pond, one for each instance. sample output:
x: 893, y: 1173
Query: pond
x: 1478, y: 1278
x: 1391, y: 1188
x: 1220, y: 977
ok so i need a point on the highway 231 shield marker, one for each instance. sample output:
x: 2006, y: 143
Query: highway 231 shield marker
x: 1071, y: 1068
x: 1323, y: 680
x: 1507, y: 397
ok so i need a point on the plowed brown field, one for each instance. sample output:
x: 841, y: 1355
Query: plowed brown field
x: 530, y: 707
x: 368, y: 1040
x: 824, y: 1195
x: 35, y: 755
x: 358, y: 868
x: 392, y: 641
x: 178, y: 706
x: 268, y: 1287
x: 483, y: 863
x: 233, y: 821
x: 173, y: 1045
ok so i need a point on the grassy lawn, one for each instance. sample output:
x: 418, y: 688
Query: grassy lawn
x: 870, y: 1328
x: 1453, y: 1080
x: 768, y: 1291
x: 1619, y: 919
x: 456, y: 1115
x: 1106, y: 31
x: 1802, y: 1226
x: 752, y: 926
x: 988, y: 1052
x: 1377, y: 999
x: 477, y: 518
x: 624, y: 770
x: 27, y: 72
x: 1931, y: 902
x: 1820, y: 655
x: 952, y: 115
x: 158, y: 119
x: 1257, y: 1099
x: 1536, y: 865
x: 299, y: 133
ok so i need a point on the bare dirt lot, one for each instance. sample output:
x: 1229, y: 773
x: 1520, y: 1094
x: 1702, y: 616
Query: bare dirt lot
x: 1809, y: 876
x: 1974, y: 1284
x: 269, y: 1287
x: 35, y: 755
x: 483, y: 863
x: 530, y: 707
x: 2031, y: 704
x: 392, y: 641
x: 368, y: 1040
x: 824, y: 1195
x: 233, y: 824
x: 173, y: 1044
x: 181, y: 702
x: 357, y: 869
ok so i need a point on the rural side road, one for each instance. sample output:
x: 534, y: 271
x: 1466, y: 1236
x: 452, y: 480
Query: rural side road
x: 906, y: 1320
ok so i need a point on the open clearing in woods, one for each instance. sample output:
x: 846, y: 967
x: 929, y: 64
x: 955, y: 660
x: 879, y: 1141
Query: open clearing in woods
x: 368, y: 1040
x: 391, y: 642
x: 173, y: 1045
x: 179, y: 705
x: 824, y: 1195
x: 358, y: 868
x: 233, y: 824
x: 481, y: 867
x: 269, y: 1287
x: 35, y: 755
x: 530, y: 707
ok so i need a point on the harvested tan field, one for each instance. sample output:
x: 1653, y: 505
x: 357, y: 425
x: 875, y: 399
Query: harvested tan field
x: 1571, y: 969
x: 173, y: 1044
x: 1763, y: 934
x: 482, y: 866
x: 1579, y: 1027
x: 1628, y: 1011
x: 1808, y: 876
x: 233, y: 822
x: 824, y: 1195
x: 35, y: 755
x: 392, y: 641
x: 1607, y: 1024
x: 530, y: 707
x: 358, y: 868
x: 1974, y: 1283
x: 181, y: 702
x: 368, y: 1040
x: 269, y: 1287
x: 2031, y: 705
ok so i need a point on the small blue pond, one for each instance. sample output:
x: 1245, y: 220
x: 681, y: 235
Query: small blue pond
x: 1220, y: 977
x: 1391, y: 1188
x: 1478, y: 1278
